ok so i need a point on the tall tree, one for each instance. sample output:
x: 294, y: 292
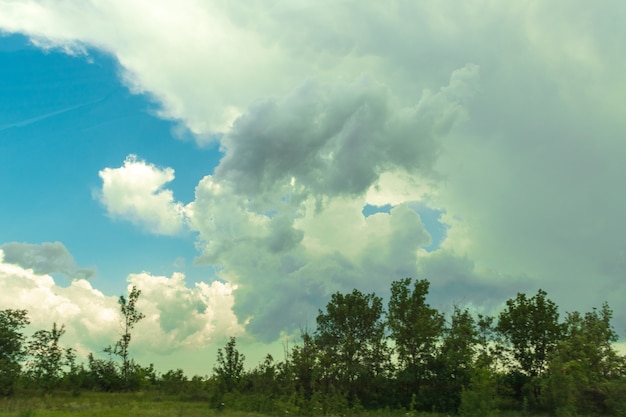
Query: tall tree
x: 586, y: 373
x: 488, y: 350
x: 304, y: 365
x: 531, y: 328
x: 350, y: 336
x: 130, y: 317
x: 229, y: 368
x: 47, y: 357
x: 415, y: 328
x: 11, y: 347
x: 531, y: 331
x: 455, y: 360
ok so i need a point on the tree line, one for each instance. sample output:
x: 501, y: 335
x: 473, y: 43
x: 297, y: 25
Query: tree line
x: 361, y: 355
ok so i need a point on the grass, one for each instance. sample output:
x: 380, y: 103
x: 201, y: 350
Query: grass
x: 139, y: 404
x: 106, y: 405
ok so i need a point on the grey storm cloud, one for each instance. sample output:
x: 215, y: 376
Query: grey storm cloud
x: 45, y: 258
x: 527, y: 160
x: 282, y: 290
x: 338, y: 139
x: 314, y: 151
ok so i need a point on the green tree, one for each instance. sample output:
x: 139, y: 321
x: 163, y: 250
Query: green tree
x: 455, y: 360
x: 230, y: 366
x: 478, y: 399
x: 415, y: 328
x: 103, y: 375
x: 131, y: 316
x: 47, y: 357
x: 304, y: 367
x: 586, y: 373
x: 488, y: 350
x: 173, y: 382
x: 12, y: 349
x: 350, y: 337
x: 532, y: 330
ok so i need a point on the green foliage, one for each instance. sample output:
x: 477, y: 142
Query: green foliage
x: 104, y: 375
x: 173, y: 382
x: 455, y: 361
x: 479, y: 398
x: 11, y: 348
x: 229, y: 368
x: 131, y: 316
x: 350, y: 338
x: 48, y: 358
x: 304, y: 367
x: 415, y: 328
x: 531, y: 332
x: 531, y: 327
x: 528, y: 362
x: 586, y: 374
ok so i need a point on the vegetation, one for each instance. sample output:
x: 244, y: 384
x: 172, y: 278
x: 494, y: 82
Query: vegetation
x: 405, y: 360
x: 131, y: 316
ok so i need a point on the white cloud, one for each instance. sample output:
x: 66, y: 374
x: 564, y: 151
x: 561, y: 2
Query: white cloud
x: 294, y: 169
x: 181, y: 317
x: 89, y: 316
x: 153, y: 50
x: 341, y: 105
x: 177, y: 317
x: 135, y: 192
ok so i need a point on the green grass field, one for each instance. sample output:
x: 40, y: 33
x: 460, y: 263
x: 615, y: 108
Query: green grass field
x: 136, y: 404
x: 107, y: 405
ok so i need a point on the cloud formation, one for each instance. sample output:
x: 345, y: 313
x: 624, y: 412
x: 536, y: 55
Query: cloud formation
x: 43, y: 259
x: 333, y: 107
x: 329, y: 140
x: 135, y: 192
x: 177, y: 317
x: 297, y: 167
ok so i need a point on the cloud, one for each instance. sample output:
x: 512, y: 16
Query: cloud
x: 90, y: 317
x: 335, y: 107
x: 181, y: 317
x: 177, y: 317
x: 280, y: 288
x: 134, y: 192
x: 46, y: 258
x: 209, y: 52
x: 330, y: 140
x: 295, y: 168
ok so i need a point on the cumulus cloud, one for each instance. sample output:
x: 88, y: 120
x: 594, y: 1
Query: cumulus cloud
x: 334, y: 107
x: 177, y: 317
x: 295, y: 168
x: 135, y: 192
x: 46, y: 258
x: 281, y: 288
x: 90, y: 316
x: 181, y: 317
x: 330, y: 140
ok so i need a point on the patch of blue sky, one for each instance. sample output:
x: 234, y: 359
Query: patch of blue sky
x: 370, y: 209
x: 431, y: 218
x: 62, y: 120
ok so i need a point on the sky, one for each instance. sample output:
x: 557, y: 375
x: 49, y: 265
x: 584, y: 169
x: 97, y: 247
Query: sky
x: 239, y: 162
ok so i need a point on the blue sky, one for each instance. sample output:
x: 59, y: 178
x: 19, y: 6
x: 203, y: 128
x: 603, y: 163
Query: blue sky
x: 66, y: 117
x: 62, y: 119
x: 241, y: 162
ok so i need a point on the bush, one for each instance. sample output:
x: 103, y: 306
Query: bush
x: 479, y: 398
